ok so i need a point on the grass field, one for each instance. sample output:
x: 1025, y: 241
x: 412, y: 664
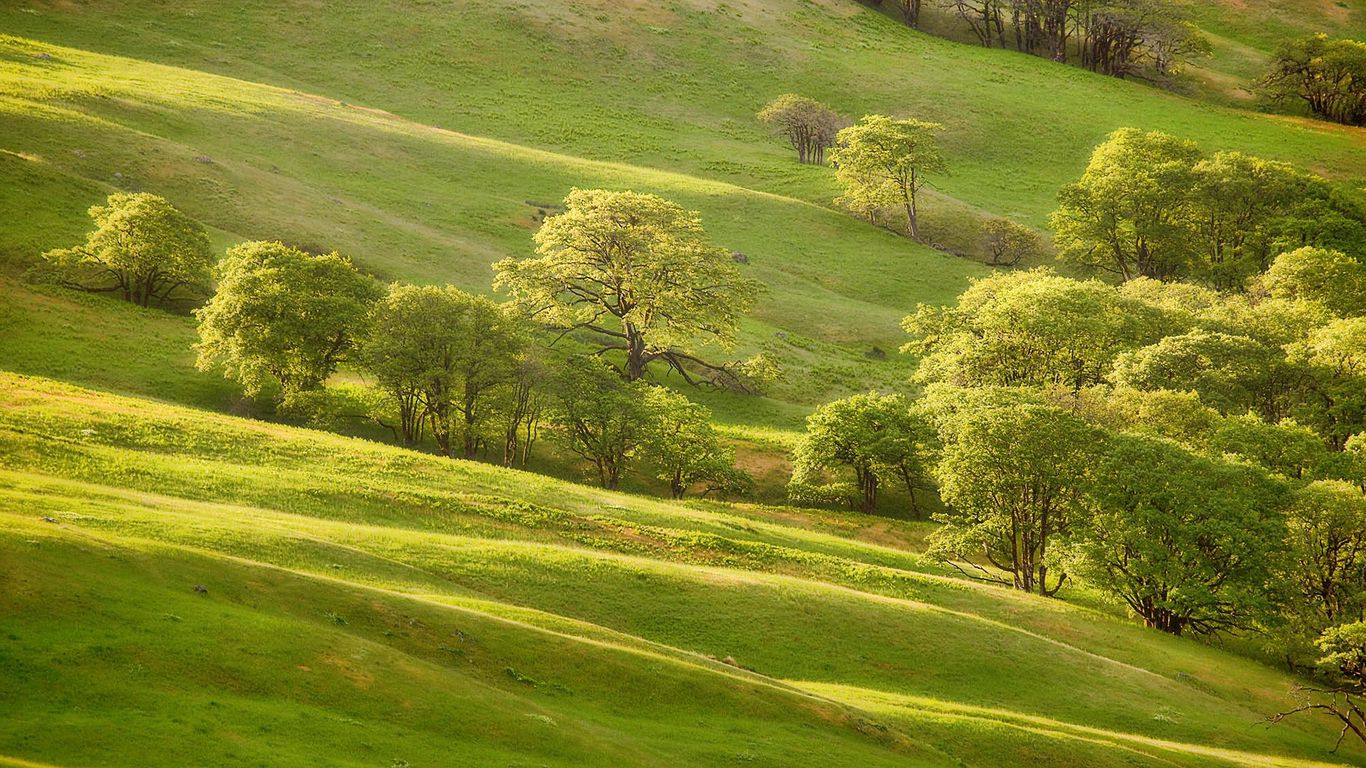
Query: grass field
x: 405, y: 608
x: 370, y: 606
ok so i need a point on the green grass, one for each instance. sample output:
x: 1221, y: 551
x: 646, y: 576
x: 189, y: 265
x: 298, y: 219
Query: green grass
x: 396, y: 606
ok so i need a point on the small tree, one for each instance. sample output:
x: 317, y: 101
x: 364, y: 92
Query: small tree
x: 809, y: 125
x: 1186, y: 542
x: 605, y: 420
x: 1326, y: 557
x: 141, y: 248
x: 1012, y: 478
x: 880, y: 161
x: 684, y: 446
x: 1009, y: 243
x: 1334, y: 359
x: 635, y: 271
x: 876, y: 437
x: 282, y: 314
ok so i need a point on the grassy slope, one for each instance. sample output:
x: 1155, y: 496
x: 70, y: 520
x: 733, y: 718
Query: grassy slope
x: 398, y: 607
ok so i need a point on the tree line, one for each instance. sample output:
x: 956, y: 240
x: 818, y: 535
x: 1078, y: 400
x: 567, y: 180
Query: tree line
x: 632, y: 277
x: 1147, y: 39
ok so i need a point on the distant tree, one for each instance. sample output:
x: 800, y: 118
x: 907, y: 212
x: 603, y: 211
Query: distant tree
x: 1128, y: 214
x: 1183, y: 540
x: 876, y: 437
x: 808, y: 124
x: 604, y: 419
x: 1009, y: 243
x: 637, y: 272
x: 1329, y: 76
x: 141, y: 248
x: 439, y: 352
x: 880, y: 161
x: 684, y: 447
x: 1012, y: 479
x: 282, y: 314
x: 522, y: 406
x: 984, y: 18
x: 910, y: 12
x: 1030, y: 328
x: 1328, y: 277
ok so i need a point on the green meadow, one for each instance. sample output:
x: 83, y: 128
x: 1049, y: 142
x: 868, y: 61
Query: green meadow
x: 185, y: 580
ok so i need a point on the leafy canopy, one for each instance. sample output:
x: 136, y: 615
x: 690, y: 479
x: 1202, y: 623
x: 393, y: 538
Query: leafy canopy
x: 141, y: 248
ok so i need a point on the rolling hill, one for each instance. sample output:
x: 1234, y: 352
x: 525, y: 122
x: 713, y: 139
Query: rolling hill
x: 182, y: 583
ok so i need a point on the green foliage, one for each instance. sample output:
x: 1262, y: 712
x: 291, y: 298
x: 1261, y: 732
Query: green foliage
x: 142, y: 248
x: 1123, y: 215
x: 1328, y: 76
x: 1334, y: 358
x: 1012, y: 478
x: 1328, y: 277
x: 637, y: 271
x: 439, y: 353
x: 1231, y: 373
x: 880, y: 162
x: 809, y: 125
x: 1186, y: 542
x: 1009, y: 243
x: 282, y: 314
x: 1325, y: 556
x: 685, y: 448
x: 1150, y: 205
x: 1030, y: 328
x: 876, y: 437
x: 604, y: 419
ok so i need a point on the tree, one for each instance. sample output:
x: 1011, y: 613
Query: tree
x: 1326, y: 553
x: 1009, y: 243
x: 141, y: 248
x: 1231, y: 373
x: 1012, y: 479
x: 1329, y: 76
x: 1183, y: 540
x: 808, y: 124
x: 283, y: 314
x: 1328, y: 277
x: 1342, y: 664
x: 522, y: 406
x: 1285, y: 447
x: 1030, y: 328
x: 439, y: 352
x: 876, y: 437
x: 605, y: 420
x: 684, y: 447
x: 637, y: 272
x: 881, y: 161
x: 1237, y: 209
x: 1334, y: 358
x: 1128, y: 213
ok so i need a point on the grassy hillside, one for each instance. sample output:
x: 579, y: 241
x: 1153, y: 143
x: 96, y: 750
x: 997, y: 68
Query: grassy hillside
x: 406, y: 610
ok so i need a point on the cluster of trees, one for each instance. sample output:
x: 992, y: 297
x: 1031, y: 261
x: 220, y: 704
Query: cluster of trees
x: 1152, y: 205
x: 880, y: 162
x: 1328, y: 76
x: 633, y: 276
x: 1201, y: 456
x: 1151, y: 39
x: 1198, y: 456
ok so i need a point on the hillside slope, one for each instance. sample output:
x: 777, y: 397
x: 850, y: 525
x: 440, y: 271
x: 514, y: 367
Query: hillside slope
x: 401, y: 609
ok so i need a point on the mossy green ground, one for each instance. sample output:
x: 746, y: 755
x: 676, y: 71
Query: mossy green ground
x: 367, y: 605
